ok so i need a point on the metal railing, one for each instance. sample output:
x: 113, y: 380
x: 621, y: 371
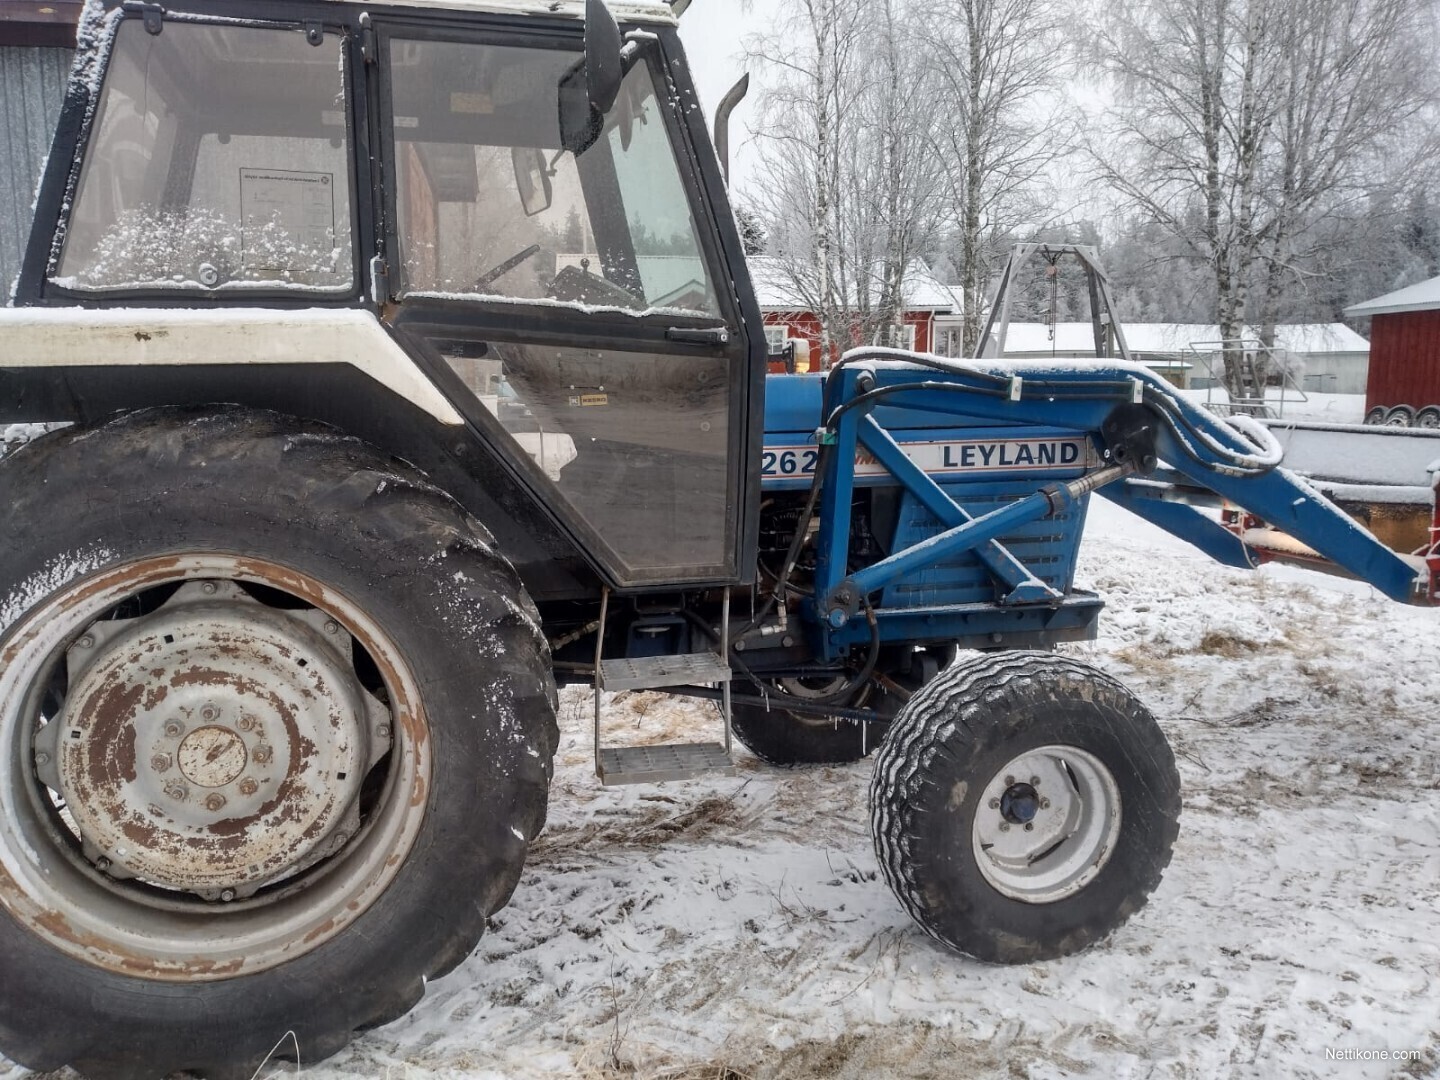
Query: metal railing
x: 1246, y: 352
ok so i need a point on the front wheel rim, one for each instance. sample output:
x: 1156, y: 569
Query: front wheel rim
x: 1046, y: 824
x: 232, y: 802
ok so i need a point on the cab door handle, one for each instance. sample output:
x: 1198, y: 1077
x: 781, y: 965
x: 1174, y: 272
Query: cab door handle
x: 704, y: 335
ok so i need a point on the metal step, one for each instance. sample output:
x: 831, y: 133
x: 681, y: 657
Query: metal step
x: 656, y: 764
x: 651, y: 672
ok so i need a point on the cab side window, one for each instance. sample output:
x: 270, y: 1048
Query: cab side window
x: 219, y: 159
x: 491, y: 209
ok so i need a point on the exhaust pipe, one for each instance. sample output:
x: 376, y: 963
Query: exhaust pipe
x: 732, y: 98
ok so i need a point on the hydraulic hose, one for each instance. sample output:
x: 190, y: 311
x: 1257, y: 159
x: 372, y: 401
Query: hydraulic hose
x: 797, y: 543
x: 1266, y: 454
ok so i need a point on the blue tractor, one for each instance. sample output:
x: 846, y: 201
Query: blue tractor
x: 406, y: 365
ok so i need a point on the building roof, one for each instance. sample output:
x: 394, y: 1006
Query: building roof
x: 1175, y: 338
x: 1422, y: 297
x: 39, y: 22
x: 1317, y: 338
x: 776, y: 290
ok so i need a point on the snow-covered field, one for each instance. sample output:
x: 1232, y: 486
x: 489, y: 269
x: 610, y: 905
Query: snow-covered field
x: 737, y: 928
x: 1314, y: 407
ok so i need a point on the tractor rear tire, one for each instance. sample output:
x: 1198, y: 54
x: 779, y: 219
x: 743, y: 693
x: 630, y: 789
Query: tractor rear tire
x: 245, y: 555
x: 1023, y: 806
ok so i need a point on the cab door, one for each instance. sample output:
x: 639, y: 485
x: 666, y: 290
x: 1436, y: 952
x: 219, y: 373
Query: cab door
x: 578, y: 307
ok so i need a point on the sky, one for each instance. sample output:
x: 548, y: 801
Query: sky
x: 713, y: 32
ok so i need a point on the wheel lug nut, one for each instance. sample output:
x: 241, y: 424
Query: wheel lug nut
x: 331, y: 626
x: 160, y: 762
x: 1004, y: 826
x: 262, y: 754
x: 174, y: 729
x: 42, y: 758
x: 1044, y: 804
x: 1009, y: 781
x: 245, y: 723
x: 87, y: 641
x: 102, y: 864
x: 215, y: 803
x: 383, y: 731
x: 1034, y: 781
x: 178, y: 792
x: 209, y: 588
x: 209, y: 712
x: 994, y: 804
x: 248, y: 786
x: 1029, y: 826
x: 227, y: 895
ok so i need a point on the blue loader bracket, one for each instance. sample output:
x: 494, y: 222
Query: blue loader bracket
x: 1129, y: 411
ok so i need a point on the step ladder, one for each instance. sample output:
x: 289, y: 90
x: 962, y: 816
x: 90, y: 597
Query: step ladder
x: 678, y: 761
x: 1252, y: 388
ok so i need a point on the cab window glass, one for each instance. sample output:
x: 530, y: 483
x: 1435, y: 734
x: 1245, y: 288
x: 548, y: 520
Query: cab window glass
x: 490, y: 207
x: 219, y: 160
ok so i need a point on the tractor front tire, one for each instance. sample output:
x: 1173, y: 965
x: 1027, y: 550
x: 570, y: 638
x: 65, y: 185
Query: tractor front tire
x: 299, y: 716
x: 1023, y: 806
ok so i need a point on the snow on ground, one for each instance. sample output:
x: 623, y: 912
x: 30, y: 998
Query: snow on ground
x: 14, y: 436
x: 1313, y: 407
x: 737, y: 928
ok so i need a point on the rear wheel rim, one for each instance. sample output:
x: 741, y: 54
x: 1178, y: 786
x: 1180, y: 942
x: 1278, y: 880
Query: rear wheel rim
x: 1046, y: 824
x: 234, y: 800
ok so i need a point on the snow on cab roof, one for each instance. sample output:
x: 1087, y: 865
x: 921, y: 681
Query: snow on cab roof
x: 623, y: 10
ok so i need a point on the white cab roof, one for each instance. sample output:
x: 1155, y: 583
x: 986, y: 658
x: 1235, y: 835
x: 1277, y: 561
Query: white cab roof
x: 655, y: 11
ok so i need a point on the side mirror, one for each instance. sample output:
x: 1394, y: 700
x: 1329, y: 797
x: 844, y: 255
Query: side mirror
x: 532, y: 179
x: 590, y: 87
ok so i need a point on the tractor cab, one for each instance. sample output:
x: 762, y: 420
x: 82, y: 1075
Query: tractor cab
x: 529, y: 204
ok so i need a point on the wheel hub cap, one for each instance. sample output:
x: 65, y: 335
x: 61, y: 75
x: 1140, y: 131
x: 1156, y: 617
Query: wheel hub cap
x: 213, y: 757
x: 1019, y: 804
x: 214, y: 746
x: 1046, y: 824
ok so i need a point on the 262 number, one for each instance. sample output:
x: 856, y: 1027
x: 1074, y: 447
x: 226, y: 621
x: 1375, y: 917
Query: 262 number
x: 789, y: 462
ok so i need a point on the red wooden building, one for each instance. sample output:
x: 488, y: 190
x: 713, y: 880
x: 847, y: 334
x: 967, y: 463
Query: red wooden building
x: 1404, y: 355
x: 788, y: 315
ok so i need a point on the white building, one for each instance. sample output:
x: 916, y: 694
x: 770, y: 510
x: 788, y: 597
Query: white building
x: 1332, y: 358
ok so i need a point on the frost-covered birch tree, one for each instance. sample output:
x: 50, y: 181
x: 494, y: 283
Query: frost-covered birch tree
x: 849, y: 185
x: 1238, y: 124
x: 813, y: 71
x: 1002, y: 114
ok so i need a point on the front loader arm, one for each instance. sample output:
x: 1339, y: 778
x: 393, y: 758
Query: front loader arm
x: 1137, y: 420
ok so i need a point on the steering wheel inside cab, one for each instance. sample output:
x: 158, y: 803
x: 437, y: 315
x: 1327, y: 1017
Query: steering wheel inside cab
x: 580, y: 285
